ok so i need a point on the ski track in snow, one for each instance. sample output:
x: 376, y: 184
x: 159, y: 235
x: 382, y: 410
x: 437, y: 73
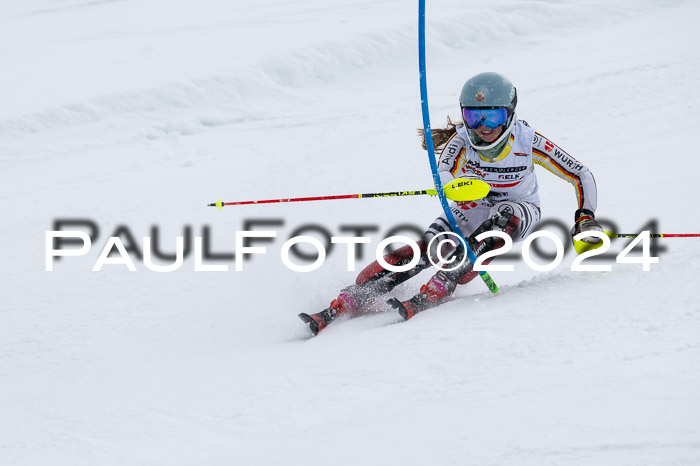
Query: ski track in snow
x: 139, y: 116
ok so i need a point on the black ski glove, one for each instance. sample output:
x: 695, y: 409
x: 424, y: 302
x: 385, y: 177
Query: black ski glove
x: 585, y: 221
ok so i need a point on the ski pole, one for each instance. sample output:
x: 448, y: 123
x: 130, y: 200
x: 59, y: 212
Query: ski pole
x: 582, y: 246
x: 654, y: 235
x: 460, y: 190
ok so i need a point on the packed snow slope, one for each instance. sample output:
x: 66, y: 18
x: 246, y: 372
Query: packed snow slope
x: 137, y: 114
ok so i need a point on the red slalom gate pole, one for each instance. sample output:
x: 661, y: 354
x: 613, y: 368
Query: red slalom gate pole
x: 459, y: 189
x: 294, y: 199
x: 324, y: 198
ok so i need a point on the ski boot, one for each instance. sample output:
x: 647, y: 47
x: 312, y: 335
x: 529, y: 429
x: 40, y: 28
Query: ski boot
x: 439, y: 287
x: 345, y: 303
x: 444, y: 282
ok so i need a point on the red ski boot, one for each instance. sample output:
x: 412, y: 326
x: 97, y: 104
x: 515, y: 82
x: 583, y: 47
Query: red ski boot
x: 343, y: 304
x: 439, y: 287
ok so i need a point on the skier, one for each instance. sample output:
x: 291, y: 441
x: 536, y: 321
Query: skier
x: 494, y: 146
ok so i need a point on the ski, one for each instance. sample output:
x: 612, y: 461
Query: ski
x: 398, y: 305
x: 317, y: 322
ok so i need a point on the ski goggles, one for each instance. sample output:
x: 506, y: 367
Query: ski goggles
x: 492, y: 118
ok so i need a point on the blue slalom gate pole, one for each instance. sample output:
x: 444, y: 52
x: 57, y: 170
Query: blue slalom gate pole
x: 431, y: 151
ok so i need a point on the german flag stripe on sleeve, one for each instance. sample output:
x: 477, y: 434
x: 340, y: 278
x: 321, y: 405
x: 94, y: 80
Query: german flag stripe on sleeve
x: 455, y: 167
x: 553, y: 166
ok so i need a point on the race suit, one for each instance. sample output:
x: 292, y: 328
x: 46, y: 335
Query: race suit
x: 512, y: 178
x: 514, y: 192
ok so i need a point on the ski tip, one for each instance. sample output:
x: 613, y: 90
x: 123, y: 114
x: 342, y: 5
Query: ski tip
x: 313, y: 325
x: 396, y: 304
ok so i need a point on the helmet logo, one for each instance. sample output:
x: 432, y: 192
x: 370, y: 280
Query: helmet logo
x: 479, y: 96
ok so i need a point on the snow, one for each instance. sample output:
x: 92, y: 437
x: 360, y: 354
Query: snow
x: 139, y: 114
